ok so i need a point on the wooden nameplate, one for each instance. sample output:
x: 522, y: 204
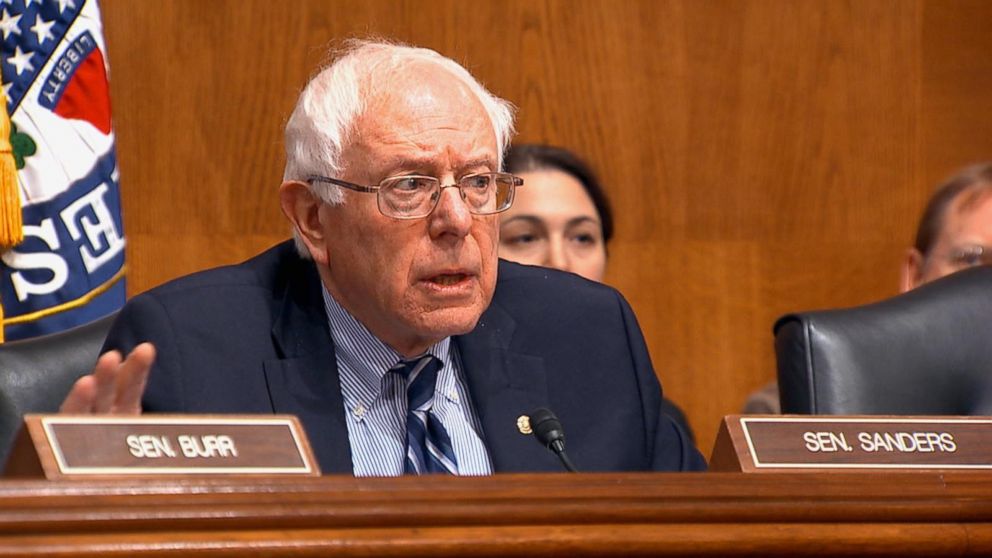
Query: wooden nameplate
x: 777, y: 443
x: 88, y: 446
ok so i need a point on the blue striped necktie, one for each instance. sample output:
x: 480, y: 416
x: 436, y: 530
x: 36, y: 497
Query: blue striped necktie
x: 428, y: 444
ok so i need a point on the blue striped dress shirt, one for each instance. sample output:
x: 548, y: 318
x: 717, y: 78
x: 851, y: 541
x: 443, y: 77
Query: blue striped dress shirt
x: 375, y: 402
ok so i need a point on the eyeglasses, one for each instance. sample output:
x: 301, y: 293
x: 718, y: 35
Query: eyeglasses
x: 415, y: 196
x: 970, y: 256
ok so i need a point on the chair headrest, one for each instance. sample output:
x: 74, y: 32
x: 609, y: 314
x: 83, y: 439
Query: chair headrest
x: 925, y: 351
x: 37, y: 373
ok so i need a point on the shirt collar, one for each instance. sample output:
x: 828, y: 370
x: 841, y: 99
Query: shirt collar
x: 366, y: 356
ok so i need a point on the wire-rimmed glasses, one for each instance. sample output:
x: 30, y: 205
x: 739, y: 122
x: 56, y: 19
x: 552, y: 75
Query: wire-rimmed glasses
x: 416, y: 196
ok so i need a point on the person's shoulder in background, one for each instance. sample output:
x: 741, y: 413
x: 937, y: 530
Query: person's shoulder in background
x: 764, y: 401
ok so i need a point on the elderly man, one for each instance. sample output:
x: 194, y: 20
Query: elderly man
x: 389, y: 328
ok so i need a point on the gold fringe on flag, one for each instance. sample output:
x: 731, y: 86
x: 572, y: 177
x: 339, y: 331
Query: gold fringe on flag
x: 11, y: 225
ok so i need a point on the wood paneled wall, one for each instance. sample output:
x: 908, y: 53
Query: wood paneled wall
x: 763, y: 156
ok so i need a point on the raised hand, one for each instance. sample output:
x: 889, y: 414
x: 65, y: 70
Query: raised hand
x: 115, y: 386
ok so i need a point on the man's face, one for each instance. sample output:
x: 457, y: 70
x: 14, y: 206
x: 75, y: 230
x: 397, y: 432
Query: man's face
x: 964, y: 241
x: 414, y: 282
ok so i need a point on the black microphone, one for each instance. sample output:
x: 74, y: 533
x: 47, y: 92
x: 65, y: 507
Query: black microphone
x: 548, y: 430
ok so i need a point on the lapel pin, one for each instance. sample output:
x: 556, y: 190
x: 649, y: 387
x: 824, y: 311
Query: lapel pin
x: 523, y: 424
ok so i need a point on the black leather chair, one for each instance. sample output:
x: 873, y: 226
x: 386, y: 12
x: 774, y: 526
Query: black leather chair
x: 925, y: 352
x: 36, y: 374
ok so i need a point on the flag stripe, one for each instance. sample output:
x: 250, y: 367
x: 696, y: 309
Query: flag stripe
x: 81, y: 301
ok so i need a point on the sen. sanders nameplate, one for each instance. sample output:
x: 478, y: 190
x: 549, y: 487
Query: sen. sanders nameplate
x: 61, y: 446
x: 756, y: 443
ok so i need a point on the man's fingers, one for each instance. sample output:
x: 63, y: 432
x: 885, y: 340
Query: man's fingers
x: 80, y: 398
x: 132, y: 377
x: 105, y: 380
x: 115, y: 386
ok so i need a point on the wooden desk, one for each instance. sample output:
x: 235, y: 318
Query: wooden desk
x: 906, y: 514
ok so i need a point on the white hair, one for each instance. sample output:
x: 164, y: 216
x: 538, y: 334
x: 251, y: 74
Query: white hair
x: 336, y: 97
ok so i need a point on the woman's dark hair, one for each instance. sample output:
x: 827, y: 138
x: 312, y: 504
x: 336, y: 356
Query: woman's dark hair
x: 975, y: 180
x: 531, y: 157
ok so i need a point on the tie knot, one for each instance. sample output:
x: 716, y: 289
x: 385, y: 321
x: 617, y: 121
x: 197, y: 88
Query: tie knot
x: 413, y: 368
x: 421, y: 376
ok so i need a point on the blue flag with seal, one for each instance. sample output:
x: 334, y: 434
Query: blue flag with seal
x: 69, y: 267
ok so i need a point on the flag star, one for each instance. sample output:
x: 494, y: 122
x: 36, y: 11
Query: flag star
x: 21, y: 60
x: 9, y: 23
x: 6, y: 89
x: 43, y: 29
x: 64, y: 3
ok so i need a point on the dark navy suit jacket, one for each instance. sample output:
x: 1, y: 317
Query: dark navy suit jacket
x: 254, y: 338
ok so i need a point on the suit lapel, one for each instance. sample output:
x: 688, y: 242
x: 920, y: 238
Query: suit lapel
x: 304, y: 381
x: 505, y: 384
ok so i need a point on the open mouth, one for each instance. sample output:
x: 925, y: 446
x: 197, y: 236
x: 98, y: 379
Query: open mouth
x: 448, y: 279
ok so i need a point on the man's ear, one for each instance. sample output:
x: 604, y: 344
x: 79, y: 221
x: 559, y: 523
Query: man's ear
x: 302, y: 208
x: 911, y: 275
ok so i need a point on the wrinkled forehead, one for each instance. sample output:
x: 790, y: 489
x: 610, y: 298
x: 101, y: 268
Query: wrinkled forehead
x: 424, y: 110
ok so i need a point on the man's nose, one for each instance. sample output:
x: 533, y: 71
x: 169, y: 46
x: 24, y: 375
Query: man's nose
x: 451, y: 216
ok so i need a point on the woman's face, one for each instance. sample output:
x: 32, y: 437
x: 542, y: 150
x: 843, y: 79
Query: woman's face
x: 553, y: 223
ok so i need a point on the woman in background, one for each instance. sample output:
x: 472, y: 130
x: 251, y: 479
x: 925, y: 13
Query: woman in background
x: 561, y: 218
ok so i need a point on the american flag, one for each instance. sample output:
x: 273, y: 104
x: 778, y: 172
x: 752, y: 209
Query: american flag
x: 70, y: 268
